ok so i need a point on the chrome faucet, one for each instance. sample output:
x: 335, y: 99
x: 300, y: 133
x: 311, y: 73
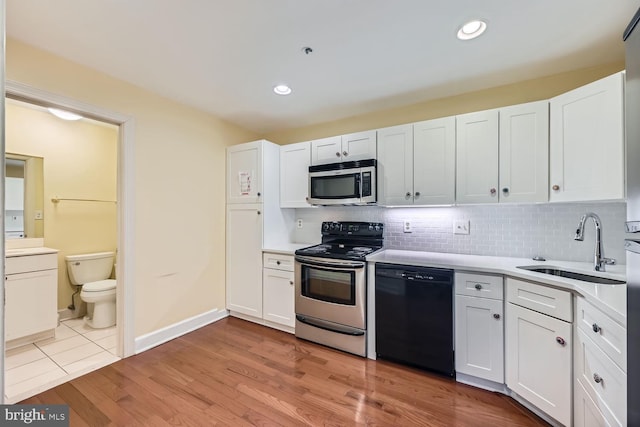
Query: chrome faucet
x: 599, y: 261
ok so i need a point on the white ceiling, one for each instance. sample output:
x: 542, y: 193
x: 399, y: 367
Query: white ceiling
x: 224, y: 57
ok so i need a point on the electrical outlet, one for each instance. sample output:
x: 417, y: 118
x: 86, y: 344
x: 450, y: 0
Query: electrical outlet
x: 299, y: 223
x: 38, y: 214
x: 406, y: 226
x: 461, y: 226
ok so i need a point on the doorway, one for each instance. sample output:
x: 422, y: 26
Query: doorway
x: 122, y: 206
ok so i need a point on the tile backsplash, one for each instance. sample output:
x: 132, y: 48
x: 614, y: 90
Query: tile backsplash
x: 516, y: 230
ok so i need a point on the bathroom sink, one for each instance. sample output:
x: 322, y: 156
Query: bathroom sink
x: 572, y: 275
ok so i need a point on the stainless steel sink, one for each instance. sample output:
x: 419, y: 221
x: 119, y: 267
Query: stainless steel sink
x: 571, y: 275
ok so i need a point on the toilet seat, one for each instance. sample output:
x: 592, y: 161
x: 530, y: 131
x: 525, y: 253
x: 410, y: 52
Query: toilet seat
x: 99, y: 286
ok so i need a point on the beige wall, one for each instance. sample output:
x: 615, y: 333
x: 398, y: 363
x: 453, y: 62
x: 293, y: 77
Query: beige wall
x: 517, y: 93
x: 80, y: 161
x: 179, y: 186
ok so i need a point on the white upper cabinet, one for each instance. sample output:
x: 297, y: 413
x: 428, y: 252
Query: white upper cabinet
x: 395, y: 165
x: 244, y: 173
x: 416, y: 163
x: 587, y: 142
x: 524, y: 153
x: 477, y: 157
x: 434, y: 162
x: 294, y: 171
x: 355, y: 146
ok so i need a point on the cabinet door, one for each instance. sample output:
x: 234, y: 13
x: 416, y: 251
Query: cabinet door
x: 395, y: 165
x: 31, y: 303
x: 244, y: 259
x: 359, y: 146
x: 524, y: 153
x: 477, y: 157
x: 585, y: 411
x: 587, y: 142
x: 479, y: 338
x: 294, y: 175
x: 434, y: 162
x: 538, y: 360
x: 326, y: 150
x: 278, y: 297
x: 244, y: 173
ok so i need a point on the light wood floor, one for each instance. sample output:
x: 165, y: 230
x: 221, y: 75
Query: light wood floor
x: 237, y: 373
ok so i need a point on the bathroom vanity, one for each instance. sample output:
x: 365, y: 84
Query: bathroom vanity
x: 31, y: 292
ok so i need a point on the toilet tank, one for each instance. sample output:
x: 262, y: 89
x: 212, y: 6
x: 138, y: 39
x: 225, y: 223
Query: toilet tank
x: 85, y: 268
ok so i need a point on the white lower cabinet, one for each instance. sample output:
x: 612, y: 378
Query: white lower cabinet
x: 278, y: 290
x: 539, y: 357
x: 479, y: 335
x: 585, y: 411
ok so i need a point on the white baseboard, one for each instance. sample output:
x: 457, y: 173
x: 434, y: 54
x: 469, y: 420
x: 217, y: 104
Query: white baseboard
x: 161, y: 336
x: 481, y: 383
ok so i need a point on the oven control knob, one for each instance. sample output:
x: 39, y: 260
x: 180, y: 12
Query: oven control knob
x: 370, y: 227
x: 325, y: 227
x: 377, y: 228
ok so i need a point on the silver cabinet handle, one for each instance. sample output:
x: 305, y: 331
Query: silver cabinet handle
x: 291, y: 282
x: 561, y: 341
x: 259, y: 212
x: 492, y: 191
x: 505, y: 190
x: 344, y: 153
x: 408, y: 194
x: 597, y: 378
x: 337, y: 154
x: 478, y: 286
x: 496, y: 316
x: 278, y: 262
x: 417, y: 194
x: 555, y: 187
x: 596, y: 328
x: 258, y: 194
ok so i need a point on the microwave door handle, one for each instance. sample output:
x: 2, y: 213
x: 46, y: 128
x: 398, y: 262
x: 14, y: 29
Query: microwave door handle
x: 359, y: 185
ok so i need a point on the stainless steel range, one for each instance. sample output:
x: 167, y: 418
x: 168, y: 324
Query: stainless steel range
x: 331, y: 285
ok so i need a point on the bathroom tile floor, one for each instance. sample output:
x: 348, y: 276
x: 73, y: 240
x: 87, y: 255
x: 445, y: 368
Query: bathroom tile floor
x: 75, y: 350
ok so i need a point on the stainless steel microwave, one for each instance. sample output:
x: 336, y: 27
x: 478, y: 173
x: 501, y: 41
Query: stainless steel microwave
x: 345, y: 183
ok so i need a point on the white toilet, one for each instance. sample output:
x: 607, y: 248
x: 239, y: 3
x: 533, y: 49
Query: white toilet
x: 92, y: 272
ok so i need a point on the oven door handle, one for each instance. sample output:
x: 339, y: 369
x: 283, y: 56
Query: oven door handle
x: 333, y: 264
x: 316, y: 323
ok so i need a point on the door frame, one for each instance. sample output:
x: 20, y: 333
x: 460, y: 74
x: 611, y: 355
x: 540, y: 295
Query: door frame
x: 126, y: 202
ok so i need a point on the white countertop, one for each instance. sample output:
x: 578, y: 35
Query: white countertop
x: 285, y: 248
x: 611, y: 299
x: 28, y: 251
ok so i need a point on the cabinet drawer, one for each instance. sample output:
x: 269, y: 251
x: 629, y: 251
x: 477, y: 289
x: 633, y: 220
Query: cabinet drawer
x: 25, y: 264
x: 540, y: 298
x: 602, y: 379
x: 586, y: 412
x: 479, y: 285
x: 277, y: 261
x: 604, y: 331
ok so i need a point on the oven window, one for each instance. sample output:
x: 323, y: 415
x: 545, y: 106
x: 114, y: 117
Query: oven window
x: 335, y: 187
x: 331, y: 286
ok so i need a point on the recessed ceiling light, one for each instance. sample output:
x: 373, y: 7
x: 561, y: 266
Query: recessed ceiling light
x: 472, y: 29
x: 64, y: 115
x: 282, y: 89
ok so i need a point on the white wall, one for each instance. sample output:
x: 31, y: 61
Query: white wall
x: 523, y: 230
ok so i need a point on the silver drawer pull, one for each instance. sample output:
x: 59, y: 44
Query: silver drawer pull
x: 478, y: 286
x: 597, y: 378
x: 561, y: 341
x: 596, y: 328
x: 496, y: 316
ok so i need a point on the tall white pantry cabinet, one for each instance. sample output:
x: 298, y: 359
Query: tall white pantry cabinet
x: 254, y: 221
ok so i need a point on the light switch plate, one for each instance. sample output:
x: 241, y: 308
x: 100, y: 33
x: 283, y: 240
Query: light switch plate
x: 299, y: 223
x: 461, y: 226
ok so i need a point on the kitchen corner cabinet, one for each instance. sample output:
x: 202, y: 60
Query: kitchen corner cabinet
x: 477, y: 157
x: 538, y: 347
x: 355, y: 146
x: 294, y: 172
x: 244, y: 258
x: 479, y: 326
x: 587, y: 142
x: 278, y: 290
x: 416, y: 163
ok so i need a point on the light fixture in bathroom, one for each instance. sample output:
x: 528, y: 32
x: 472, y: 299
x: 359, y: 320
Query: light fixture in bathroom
x: 282, y: 89
x: 472, y: 29
x: 64, y: 115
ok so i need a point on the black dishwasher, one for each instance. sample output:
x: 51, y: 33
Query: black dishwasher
x: 414, y: 316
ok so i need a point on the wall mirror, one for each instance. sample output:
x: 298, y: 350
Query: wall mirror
x: 24, y: 196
